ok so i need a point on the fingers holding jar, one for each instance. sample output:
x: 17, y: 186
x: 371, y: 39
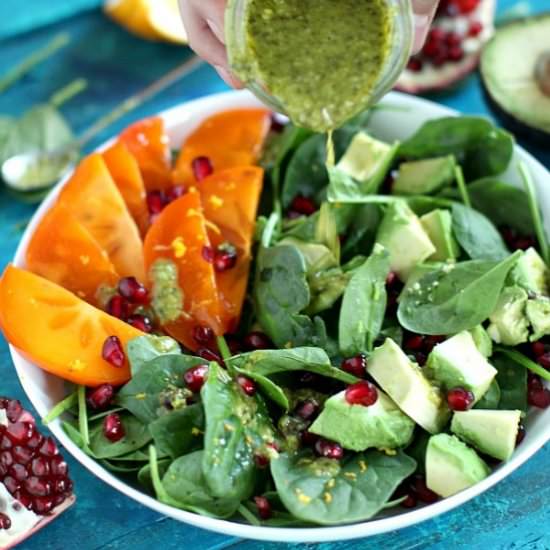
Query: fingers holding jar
x: 424, y: 12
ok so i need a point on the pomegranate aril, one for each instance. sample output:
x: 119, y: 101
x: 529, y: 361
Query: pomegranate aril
x: 195, y: 377
x: 20, y: 432
x: 43, y: 505
x: 544, y: 360
x: 131, y: 289
x: 141, y: 322
x: 460, y: 399
x: 414, y: 342
x: 247, y: 385
x: 174, y: 193
x: 432, y: 49
x: 441, y: 58
x: 475, y: 28
x: 538, y: 348
x: 49, y: 448
x: 113, y: 352
x: 35, y: 441
x: 22, y: 455
x: 113, y: 429
x: 422, y: 492
x: 24, y: 498
x: 18, y: 472
x: 392, y: 278
x: 101, y: 397
x: 521, y: 434
x: 202, y: 168
x: 308, y: 438
x: 307, y: 409
x: 224, y: 261
x: 5, y: 521
x: 303, y: 205
x: 329, y: 449
x: 38, y: 487
x: 118, y: 307
x: 436, y: 35
x: 409, y: 502
x: 420, y: 358
x: 209, y: 355
x: 40, y: 466
x: 58, y: 466
x: 155, y: 202
x: 234, y: 344
x: 456, y: 53
x: 60, y: 485
x: 203, y: 335
x: 14, y: 410
x: 208, y: 253
x: 534, y: 381
x: 257, y: 340
x: 261, y: 461
x: 6, y: 459
x: 415, y: 64
x: 539, y: 398
x: 11, y: 484
x: 453, y: 39
x: 355, y: 365
x: 263, y: 507
x: 5, y: 443
x: 431, y: 341
x: 362, y: 393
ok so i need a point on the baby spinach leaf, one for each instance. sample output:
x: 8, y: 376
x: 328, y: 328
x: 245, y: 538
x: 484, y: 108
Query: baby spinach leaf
x: 330, y: 492
x: 362, y: 232
x: 512, y: 380
x: 238, y: 426
x: 491, y: 398
x: 267, y: 387
x: 524, y: 361
x: 143, y: 349
x: 144, y: 474
x: 455, y: 297
x: 178, y: 432
x: 158, y: 383
x: 364, y: 305
x: 477, y: 235
x: 185, y: 483
x: 280, y: 293
x: 270, y: 362
x: 121, y: 467
x: 417, y: 449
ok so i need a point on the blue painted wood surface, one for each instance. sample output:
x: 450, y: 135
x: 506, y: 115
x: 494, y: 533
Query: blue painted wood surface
x: 513, y: 515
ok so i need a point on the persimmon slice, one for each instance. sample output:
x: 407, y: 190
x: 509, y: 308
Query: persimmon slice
x: 59, y: 332
x: 63, y: 251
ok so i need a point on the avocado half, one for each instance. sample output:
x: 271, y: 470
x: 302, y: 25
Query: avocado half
x: 515, y: 72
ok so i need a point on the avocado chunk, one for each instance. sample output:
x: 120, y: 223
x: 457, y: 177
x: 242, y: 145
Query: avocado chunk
x: 406, y: 384
x: 482, y: 341
x: 491, y: 432
x: 402, y: 234
x: 531, y: 273
x: 538, y: 314
x: 358, y: 428
x: 509, y: 325
x: 318, y: 257
x: 367, y: 160
x: 452, y: 466
x: 457, y: 362
x: 422, y: 177
x: 438, y: 225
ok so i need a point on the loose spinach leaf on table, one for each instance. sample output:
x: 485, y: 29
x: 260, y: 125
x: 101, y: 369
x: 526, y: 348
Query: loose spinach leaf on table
x: 143, y: 349
x: 364, y: 304
x: 481, y: 148
x: 477, y: 235
x: 159, y: 382
x: 512, y: 380
x: 238, y: 426
x: 454, y: 298
x: 330, y: 492
x: 281, y: 293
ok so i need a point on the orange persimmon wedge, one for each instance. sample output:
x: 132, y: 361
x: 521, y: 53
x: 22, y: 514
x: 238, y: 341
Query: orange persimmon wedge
x: 230, y: 138
x: 179, y: 235
x: 94, y: 200
x: 63, y: 251
x: 148, y: 143
x: 124, y: 170
x: 59, y: 332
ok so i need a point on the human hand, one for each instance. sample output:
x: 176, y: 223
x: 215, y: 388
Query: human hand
x: 204, y: 22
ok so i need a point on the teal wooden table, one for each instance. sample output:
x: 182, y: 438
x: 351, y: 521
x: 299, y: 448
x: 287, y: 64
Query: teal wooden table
x: 513, y: 515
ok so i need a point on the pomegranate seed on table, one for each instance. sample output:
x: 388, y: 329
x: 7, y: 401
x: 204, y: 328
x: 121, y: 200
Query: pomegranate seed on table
x: 202, y: 168
x: 113, y: 351
x: 195, y: 377
x: 131, y: 289
x: 155, y: 202
x: 355, y: 365
x: 263, y: 507
x: 303, y: 205
x: 118, y: 307
x: 141, y: 322
x: 329, y: 449
x: 101, y: 397
x: 247, y: 385
x: 539, y: 398
x: 522, y: 432
x: 362, y: 393
x: 460, y: 399
x: 113, y: 429
x: 203, y: 335
x: 307, y: 409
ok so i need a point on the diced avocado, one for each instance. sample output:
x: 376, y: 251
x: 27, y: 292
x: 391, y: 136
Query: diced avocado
x: 438, y: 225
x: 416, y: 274
x: 491, y: 432
x: 355, y: 427
x: 482, y: 340
x: 509, y: 325
x: 531, y: 273
x: 422, y: 177
x: 452, y: 466
x: 318, y: 257
x: 457, y: 362
x: 406, y: 384
x: 538, y: 314
x: 367, y: 160
x: 402, y: 234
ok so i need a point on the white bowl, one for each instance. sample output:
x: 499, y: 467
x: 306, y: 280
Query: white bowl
x: 404, y: 115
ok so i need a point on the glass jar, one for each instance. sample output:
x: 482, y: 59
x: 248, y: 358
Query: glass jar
x: 401, y: 41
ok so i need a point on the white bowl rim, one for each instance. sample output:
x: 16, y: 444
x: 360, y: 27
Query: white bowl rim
x: 213, y: 103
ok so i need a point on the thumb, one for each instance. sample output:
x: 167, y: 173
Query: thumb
x: 424, y: 12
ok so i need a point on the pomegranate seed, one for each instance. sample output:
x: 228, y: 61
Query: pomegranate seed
x: 25, y: 499
x: 475, y: 28
x: 113, y: 429
x: 436, y: 35
x: 5, y: 521
x: 101, y: 397
x: 391, y: 279
x: 460, y: 399
x: 19, y: 472
x: 49, y: 448
x: 456, y: 53
x: 409, y: 502
x: 112, y: 352
x: 431, y: 341
x: 6, y: 460
x: 40, y: 466
x: 521, y: 434
x: 195, y: 377
x: 415, y: 64
x: 118, y: 307
x: 538, y: 349
x: 420, y: 358
x: 432, y: 49
x: 131, y: 289
x: 308, y: 438
x: 141, y: 322
x: 263, y: 507
x: 155, y: 202
x: 224, y: 261
x: 60, y: 485
x: 422, y: 492
x: 208, y: 254
x: 14, y: 410
x: 58, y: 466
x: 523, y: 243
x: 35, y: 441
x: 11, y: 484
x: 257, y: 340
x: 466, y: 6
x: 5, y: 442
x: 544, y: 360
x: 539, y: 398
x: 303, y: 205
x: 329, y: 449
x: 278, y: 123
x: 174, y: 193
x: 20, y: 432
x: 261, y: 461
x: 247, y: 385
x: 209, y: 355
x: 43, y: 505
x: 414, y: 342
x: 441, y: 58
x: 22, y: 455
x: 38, y: 487
x: 307, y: 409
x: 202, y: 168
x: 233, y: 343
x: 362, y: 393
x: 355, y: 365
x: 534, y: 381
x: 203, y: 335
x: 453, y: 39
